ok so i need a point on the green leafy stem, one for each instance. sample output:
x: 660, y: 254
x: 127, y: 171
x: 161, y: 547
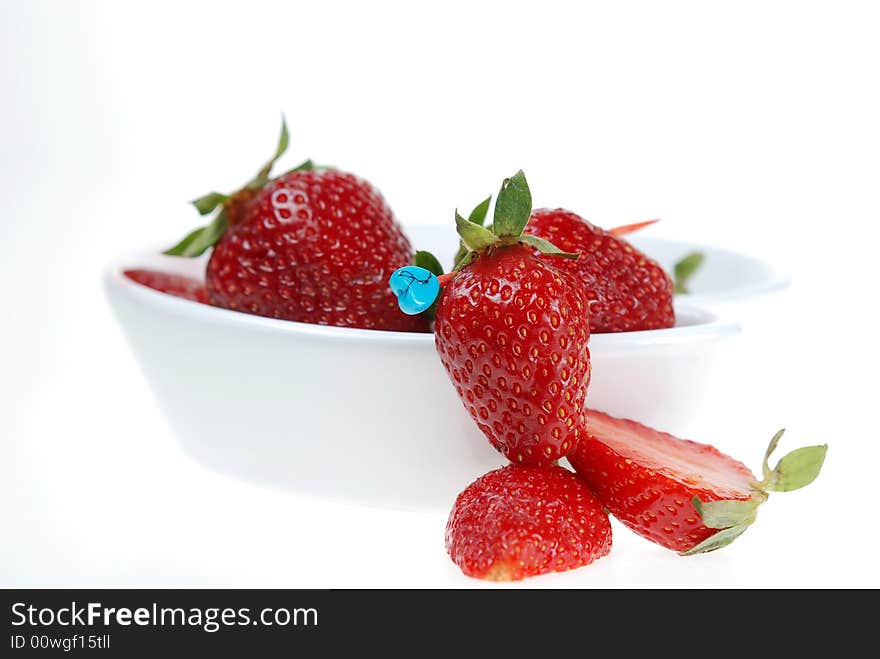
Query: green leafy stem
x: 196, y: 242
x: 732, y: 517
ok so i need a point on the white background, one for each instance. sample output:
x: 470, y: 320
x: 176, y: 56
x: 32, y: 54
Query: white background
x: 754, y: 125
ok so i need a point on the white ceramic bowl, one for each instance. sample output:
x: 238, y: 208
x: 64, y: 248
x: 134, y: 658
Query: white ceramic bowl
x: 726, y: 276
x: 357, y: 415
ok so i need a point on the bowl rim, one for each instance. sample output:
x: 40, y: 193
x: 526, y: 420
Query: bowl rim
x: 708, y: 325
x: 777, y: 280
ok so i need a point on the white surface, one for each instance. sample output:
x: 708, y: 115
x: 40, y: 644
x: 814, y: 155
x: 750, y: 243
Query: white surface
x: 751, y: 125
x: 400, y: 437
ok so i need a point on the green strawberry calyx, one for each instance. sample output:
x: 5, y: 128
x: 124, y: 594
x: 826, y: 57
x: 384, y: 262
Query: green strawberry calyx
x: 513, y: 207
x: 478, y: 217
x: 732, y: 517
x: 196, y: 242
x: 684, y: 270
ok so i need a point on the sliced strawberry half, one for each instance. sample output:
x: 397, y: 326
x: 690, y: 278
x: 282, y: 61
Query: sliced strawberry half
x: 518, y: 521
x: 681, y: 494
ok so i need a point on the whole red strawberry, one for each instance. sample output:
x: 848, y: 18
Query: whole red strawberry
x: 683, y: 495
x: 518, y: 522
x: 177, y: 285
x: 312, y: 245
x: 512, y: 333
x: 627, y: 290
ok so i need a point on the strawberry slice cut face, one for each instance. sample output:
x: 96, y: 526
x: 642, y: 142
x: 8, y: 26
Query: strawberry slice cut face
x: 688, y: 463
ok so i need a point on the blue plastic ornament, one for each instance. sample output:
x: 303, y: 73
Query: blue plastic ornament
x: 415, y: 288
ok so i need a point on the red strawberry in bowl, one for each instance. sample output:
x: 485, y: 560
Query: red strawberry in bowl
x: 627, y: 290
x: 517, y: 522
x: 314, y: 245
x: 173, y: 284
x: 512, y: 332
x: 681, y: 494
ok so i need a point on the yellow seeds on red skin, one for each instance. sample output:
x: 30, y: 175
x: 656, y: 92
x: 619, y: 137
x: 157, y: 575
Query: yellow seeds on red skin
x: 498, y: 528
x: 627, y: 291
x: 524, y: 350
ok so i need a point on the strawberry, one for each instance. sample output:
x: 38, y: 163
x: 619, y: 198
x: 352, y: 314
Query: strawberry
x: 627, y: 290
x: 683, y: 495
x: 512, y: 332
x: 313, y: 245
x: 177, y: 285
x: 518, y: 522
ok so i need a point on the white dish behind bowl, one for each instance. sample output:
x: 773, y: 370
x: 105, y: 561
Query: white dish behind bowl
x: 725, y: 276
x: 363, y: 416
